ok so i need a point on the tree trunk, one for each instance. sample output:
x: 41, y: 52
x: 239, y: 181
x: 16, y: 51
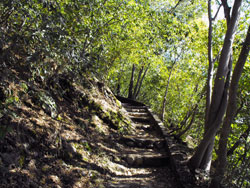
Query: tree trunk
x: 202, y: 157
x: 118, y: 89
x: 206, y: 161
x: 166, y: 92
x: 227, y: 11
x: 185, y: 119
x: 219, y: 96
x: 190, y: 113
x: 140, y: 84
x: 190, y: 123
x: 210, y: 61
x: 134, y: 91
x: 137, y: 82
x: 131, y: 84
x: 231, y: 110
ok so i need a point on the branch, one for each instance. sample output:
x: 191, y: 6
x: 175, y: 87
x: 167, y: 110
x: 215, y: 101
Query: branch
x: 227, y: 10
x: 217, y: 57
x: 218, y: 10
x: 172, y: 9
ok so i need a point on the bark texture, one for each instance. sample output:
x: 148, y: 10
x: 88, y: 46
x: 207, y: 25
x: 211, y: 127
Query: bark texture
x: 137, y: 82
x: 231, y: 110
x: 166, y: 93
x: 135, y: 90
x: 140, y: 84
x: 210, y: 61
x: 131, y: 84
x: 202, y: 156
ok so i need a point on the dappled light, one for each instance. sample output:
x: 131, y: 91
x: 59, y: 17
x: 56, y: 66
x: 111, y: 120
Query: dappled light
x: 124, y: 93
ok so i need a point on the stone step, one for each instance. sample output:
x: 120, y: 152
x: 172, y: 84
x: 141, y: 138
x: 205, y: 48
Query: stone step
x: 136, y: 110
x: 141, y: 119
x: 138, y: 117
x: 143, y: 142
x: 144, y: 126
x: 124, y: 185
x: 133, y: 105
x: 147, y: 159
x: 116, y: 185
x: 142, y: 133
x: 133, y: 150
x: 131, y: 184
x: 138, y: 114
x: 131, y: 108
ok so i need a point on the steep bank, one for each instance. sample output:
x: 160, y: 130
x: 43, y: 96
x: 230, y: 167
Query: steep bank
x: 55, y: 132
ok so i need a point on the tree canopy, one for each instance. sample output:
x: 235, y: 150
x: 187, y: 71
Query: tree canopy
x: 164, y: 43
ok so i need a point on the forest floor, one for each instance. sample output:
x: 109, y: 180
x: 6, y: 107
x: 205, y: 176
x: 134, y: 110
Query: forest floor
x: 74, y: 133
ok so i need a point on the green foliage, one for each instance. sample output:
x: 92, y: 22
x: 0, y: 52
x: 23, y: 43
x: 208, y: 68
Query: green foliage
x: 112, y: 118
x: 239, y: 160
x: 7, y: 110
x: 105, y: 38
x: 45, y: 101
x: 64, y: 35
x: 87, y: 147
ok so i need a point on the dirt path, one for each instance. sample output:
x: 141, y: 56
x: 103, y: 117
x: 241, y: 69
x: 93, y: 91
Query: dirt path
x: 144, y: 159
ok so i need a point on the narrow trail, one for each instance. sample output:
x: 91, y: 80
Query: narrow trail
x: 143, y: 154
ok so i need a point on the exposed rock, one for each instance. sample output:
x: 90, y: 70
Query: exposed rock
x: 130, y: 159
x: 32, y: 164
x: 130, y: 143
x: 139, y: 161
x: 68, y: 148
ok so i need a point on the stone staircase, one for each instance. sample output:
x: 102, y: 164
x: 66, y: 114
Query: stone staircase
x: 144, y: 151
x: 146, y: 137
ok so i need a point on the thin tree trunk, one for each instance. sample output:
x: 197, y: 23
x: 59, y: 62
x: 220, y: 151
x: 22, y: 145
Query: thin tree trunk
x: 190, y: 123
x: 238, y: 142
x: 185, y: 119
x: 118, y: 89
x: 131, y: 84
x: 183, y: 122
x: 219, y: 96
x: 227, y: 11
x: 202, y: 157
x: 139, y: 88
x: 190, y: 112
x: 223, y: 67
x: 166, y: 92
x: 137, y: 82
x: 231, y: 110
x: 194, y: 110
x: 206, y: 161
x: 210, y: 61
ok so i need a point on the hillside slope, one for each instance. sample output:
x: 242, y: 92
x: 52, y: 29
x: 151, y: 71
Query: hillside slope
x: 51, y: 130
